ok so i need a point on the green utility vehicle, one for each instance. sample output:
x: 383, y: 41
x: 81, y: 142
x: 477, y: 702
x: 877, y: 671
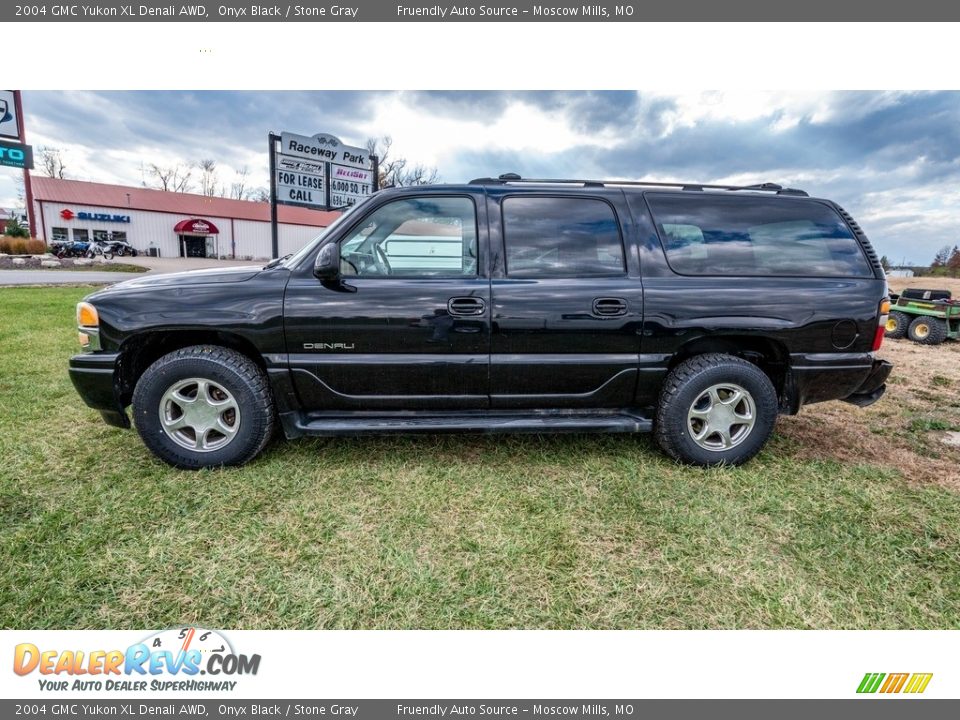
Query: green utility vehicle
x: 925, y: 316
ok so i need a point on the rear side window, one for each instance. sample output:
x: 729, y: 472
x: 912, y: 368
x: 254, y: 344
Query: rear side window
x: 561, y: 237
x: 755, y: 236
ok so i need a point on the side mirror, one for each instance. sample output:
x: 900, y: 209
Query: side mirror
x: 327, y: 265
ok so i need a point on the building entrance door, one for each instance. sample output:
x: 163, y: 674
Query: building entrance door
x: 193, y: 246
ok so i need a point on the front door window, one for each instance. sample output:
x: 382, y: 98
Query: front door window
x: 416, y: 237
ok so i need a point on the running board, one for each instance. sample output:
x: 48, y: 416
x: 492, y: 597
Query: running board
x: 298, y: 424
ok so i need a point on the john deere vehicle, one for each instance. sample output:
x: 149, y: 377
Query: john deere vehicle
x: 925, y: 316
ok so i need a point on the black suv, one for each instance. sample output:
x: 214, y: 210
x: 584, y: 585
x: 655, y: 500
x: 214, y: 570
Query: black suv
x: 699, y: 312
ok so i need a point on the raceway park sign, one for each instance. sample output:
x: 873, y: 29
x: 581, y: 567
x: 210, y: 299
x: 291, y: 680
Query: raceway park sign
x: 320, y: 171
x: 324, y: 147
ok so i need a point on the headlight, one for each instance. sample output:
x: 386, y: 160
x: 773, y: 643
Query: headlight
x: 88, y: 325
x: 87, y: 315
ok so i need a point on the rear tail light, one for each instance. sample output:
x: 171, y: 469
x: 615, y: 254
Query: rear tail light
x: 881, y: 324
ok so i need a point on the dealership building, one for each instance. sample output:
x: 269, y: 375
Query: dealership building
x: 169, y: 224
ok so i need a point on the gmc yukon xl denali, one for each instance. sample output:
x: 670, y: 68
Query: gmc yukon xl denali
x: 698, y: 312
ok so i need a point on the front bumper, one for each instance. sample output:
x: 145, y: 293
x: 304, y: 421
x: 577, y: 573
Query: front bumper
x: 873, y: 388
x: 93, y: 376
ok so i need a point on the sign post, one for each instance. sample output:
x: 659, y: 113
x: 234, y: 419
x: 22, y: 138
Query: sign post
x: 274, y: 235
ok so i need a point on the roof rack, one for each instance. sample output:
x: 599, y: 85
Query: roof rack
x: 513, y: 178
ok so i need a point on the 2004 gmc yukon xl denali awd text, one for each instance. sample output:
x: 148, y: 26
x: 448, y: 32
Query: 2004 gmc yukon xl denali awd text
x: 698, y: 312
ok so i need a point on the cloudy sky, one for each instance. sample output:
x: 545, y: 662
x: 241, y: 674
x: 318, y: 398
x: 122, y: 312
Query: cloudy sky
x: 892, y: 159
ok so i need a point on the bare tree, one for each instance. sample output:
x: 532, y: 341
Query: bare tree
x: 941, y: 258
x: 21, y: 191
x: 396, y: 171
x: 238, y: 188
x: 260, y: 194
x: 953, y: 262
x: 175, y: 178
x: 51, y: 162
x: 208, y: 177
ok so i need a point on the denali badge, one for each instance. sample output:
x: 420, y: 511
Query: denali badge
x: 328, y: 346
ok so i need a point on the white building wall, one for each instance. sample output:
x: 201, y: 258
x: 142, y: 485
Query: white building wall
x: 251, y: 239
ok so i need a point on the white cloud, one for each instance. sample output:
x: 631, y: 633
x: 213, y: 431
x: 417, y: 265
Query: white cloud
x: 431, y: 138
x: 783, y: 109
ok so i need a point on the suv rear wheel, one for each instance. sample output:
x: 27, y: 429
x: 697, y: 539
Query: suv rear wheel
x: 715, y: 409
x: 204, y: 406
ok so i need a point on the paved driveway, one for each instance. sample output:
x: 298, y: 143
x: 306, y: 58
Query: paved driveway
x: 178, y: 264
x: 157, y: 266
x: 62, y: 277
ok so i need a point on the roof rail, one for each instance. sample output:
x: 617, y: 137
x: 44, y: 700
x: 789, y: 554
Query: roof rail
x: 513, y: 178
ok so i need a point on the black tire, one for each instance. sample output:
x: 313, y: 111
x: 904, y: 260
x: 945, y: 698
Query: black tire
x: 688, y: 383
x: 232, y: 371
x: 928, y: 330
x: 108, y: 255
x: 133, y: 252
x: 897, y: 324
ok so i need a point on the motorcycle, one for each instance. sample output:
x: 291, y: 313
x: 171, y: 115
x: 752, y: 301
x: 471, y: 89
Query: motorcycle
x: 121, y: 248
x: 72, y: 249
x: 98, y: 247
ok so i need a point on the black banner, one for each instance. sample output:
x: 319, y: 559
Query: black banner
x: 475, y: 11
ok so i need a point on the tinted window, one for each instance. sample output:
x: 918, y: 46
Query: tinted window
x: 550, y: 237
x: 755, y: 236
x: 417, y: 237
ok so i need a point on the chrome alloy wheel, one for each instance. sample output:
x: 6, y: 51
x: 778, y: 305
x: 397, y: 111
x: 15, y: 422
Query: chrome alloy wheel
x: 199, y: 414
x: 721, y: 417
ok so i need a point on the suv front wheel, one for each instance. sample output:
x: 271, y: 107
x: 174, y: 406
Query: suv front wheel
x: 715, y: 409
x: 204, y: 406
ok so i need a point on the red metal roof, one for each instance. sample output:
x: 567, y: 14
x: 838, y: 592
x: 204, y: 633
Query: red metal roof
x: 78, y: 192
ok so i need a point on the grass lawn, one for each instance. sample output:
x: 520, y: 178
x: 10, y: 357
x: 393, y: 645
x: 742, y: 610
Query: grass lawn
x: 456, y: 531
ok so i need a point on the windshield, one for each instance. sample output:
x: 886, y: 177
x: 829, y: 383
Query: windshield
x: 296, y: 258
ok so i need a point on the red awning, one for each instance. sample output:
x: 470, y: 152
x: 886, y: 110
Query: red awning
x: 195, y: 226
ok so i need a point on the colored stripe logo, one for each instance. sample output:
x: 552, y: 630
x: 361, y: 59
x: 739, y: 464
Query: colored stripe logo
x: 913, y: 683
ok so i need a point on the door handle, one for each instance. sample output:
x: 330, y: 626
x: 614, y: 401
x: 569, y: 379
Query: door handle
x: 466, y: 306
x: 609, y: 306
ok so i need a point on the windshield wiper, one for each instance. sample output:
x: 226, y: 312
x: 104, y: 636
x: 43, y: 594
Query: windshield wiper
x: 277, y: 261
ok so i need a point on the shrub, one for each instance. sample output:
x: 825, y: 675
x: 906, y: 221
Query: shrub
x: 15, y: 229
x: 21, y: 246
